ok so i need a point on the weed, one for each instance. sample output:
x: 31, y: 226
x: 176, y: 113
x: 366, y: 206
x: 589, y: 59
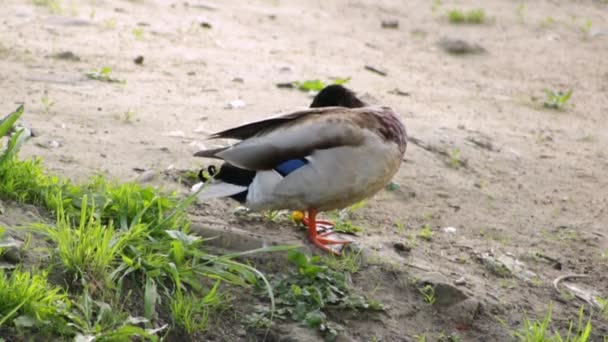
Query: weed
x: 435, y: 6
x: 476, y: 16
x: 86, y: 248
x: 556, y: 99
x: 603, y: 303
x: 103, y: 75
x: 98, y: 321
x: 349, y: 261
x: 304, y: 294
x: 138, y: 33
x: 428, y: 294
x: 454, y: 155
x: 47, y: 103
x: 521, y: 12
x: 317, y: 85
x: 191, y: 312
x: 420, y: 338
x: 400, y: 226
x: 29, y: 294
x: 426, y: 233
x: 127, y: 116
x: 53, y: 5
x: 586, y: 29
x: 538, y: 331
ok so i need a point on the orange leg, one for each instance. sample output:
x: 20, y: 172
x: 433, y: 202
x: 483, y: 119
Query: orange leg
x: 320, y: 240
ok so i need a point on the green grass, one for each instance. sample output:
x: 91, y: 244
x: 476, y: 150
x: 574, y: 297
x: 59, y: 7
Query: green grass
x: 540, y: 331
x: 191, y: 311
x: 24, y: 293
x: 86, y: 248
x: 107, y: 235
x: 428, y: 294
x: 426, y: 233
x: 476, y: 16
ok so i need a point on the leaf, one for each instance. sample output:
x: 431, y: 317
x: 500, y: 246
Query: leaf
x: 184, y: 238
x: 9, y: 241
x: 150, y: 298
x: 310, y: 85
x: 84, y: 338
x: 9, y: 121
x: 314, y: 319
x: 297, y: 258
x: 24, y: 321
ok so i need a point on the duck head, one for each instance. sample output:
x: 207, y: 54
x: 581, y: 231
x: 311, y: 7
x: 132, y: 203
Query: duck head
x: 336, y: 95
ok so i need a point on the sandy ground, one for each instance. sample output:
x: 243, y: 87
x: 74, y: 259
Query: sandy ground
x: 529, y: 180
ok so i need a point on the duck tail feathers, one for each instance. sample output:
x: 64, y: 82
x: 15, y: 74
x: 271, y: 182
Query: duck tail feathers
x: 218, y: 189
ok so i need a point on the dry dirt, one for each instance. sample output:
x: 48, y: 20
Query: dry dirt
x: 513, y: 178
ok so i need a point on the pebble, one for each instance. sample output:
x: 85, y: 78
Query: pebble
x: 460, y: 281
x: 401, y: 247
x: 235, y: 104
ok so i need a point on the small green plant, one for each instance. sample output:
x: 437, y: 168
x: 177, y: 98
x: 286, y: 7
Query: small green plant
x: 127, y: 116
x: 138, y: 33
x: 603, y: 303
x: 539, y: 331
x: 476, y: 16
x: 586, y: 28
x: 400, y: 227
x: 349, y: 261
x: 454, y: 155
x: 95, y: 320
x: 103, y: 74
x: 47, y: 103
x: 426, y: 233
x: 556, y: 99
x: 521, y: 12
x: 428, y: 294
x: 317, y: 85
x: 435, y: 6
x: 109, y: 24
x: 53, y: 5
x: 303, y: 295
x: 191, y: 312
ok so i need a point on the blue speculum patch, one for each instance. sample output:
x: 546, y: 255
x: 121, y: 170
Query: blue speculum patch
x: 290, y: 166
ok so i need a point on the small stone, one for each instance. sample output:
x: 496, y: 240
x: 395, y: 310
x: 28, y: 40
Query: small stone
x: 139, y: 60
x: 146, y: 176
x: 66, y: 55
x: 175, y: 134
x: 401, y: 247
x: 238, y: 80
x: 460, y: 281
x: 459, y: 46
x: 205, y: 25
x: 50, y: 144
x: 446, y: 294
x: 12, y: 255
x: 235, y: 104
x: 450, y: 230
x: 390, y: 24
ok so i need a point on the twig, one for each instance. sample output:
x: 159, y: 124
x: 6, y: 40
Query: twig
x: 375, y: 70
x: 564, y: 277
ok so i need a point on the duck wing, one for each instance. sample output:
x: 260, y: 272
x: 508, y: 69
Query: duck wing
x: 272, y: 141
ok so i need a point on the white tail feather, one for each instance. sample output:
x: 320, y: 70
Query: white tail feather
x: 218, y: 189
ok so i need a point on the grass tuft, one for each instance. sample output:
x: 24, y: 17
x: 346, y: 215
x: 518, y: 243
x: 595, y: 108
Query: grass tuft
x: 476, y: 16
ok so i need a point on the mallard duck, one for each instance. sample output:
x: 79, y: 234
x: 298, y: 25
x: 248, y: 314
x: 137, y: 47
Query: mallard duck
x: 330, y: 156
